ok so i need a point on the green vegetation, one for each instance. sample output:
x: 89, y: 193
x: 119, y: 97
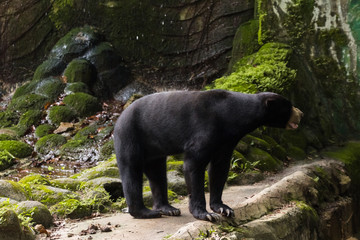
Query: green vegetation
x: 265, y: 70
x: 43, y: 130
x: 49, y: 142
x: 350, y: 155
x: 16, y: 148
x: 80, y: 70
x: 8, y: 118
x: 6, y: 159
x: 83, y: 103
x: 58, y: 114
x: 28, y: 102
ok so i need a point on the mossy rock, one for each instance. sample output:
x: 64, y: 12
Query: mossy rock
x: 49, y: 195
x: 242, y: 147
x: 66, y: 183
x: 350, y: 156
x: 6, y: 160
x: 103, y: 57
x: 75, y: 43
x: 26, y: 89
x: 71, y: 208
x: 75, y: 145
x: 10, y: 227
x: 83, y: 103
x: 58, y: 114
x: 265, y: 70
x: 98, y: 171
x: 245, y: 41
x: 76, y: 87
x: 51, y: 88
x: 296, y: 153
x: 257, y: 142
x: 28, y: 102
x: 266, y: 161
x: 87, y: 131
x: 35, y: 179
x: 4, y: 137
x: 106, y: 150
x: 97, y: 199
x: 39, y: 213
x: 175, y: 165
x: 31, y: 117
x: 27, y: 120
x: 13, y: 190
x: 80, y: 70
x: 49, y: 143
x: 8, y: 118
x: 50, y: 67
x: 43, y: 130
x: 16, y: 148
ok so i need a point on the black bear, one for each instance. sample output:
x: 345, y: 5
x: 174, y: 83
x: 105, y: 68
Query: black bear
x: 205, y: 126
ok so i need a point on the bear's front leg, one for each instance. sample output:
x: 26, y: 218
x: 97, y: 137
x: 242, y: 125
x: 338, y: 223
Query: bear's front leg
x: 194, y: 177
x: 218, y: 173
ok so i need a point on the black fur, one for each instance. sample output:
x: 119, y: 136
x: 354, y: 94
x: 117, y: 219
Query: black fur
x: 206, y: 126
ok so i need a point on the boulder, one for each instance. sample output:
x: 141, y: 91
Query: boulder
x: 16, y: 148
x: 10, y: 227
x: 12, y: 190
x: 38, y: 212
x: 176, y: 183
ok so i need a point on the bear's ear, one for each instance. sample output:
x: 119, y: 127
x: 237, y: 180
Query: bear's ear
x: 270, y: 102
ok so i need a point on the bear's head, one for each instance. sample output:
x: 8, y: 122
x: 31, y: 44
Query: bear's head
x: 279, y: 112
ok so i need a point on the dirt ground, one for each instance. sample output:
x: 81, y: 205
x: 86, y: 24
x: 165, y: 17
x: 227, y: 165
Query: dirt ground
x: 123, y: 226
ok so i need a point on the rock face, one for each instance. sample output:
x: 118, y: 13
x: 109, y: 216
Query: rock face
x: 174, y: 41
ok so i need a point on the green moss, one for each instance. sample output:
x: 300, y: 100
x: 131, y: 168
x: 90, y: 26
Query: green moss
x: 31, y: 117
x: 6, y: 160
x: 51, y: 88
x: 80, y: 70
x: 107, y: 150
x: 83, y: 103
x: 245, y: 41
x: 35, y: 179
x: 265, y: 70
x: 25, y: 89
x: 8, y: 118
x: 76, y: 87
x: 58, y: 114
x: 49, y: 142
x: 4, y: 137
x: 16, y: 148
x: 308, y: 209
x: 49, y: 195
x: 296, y: 153
x: 73, y: 144
x: 175, y: 165
x: 88, y: 131
x: 50, y: 67
x: 266, y: 161
x: 298, y: 21
x: 43, y: 130
x: 28, y: 102
x: 98, y: 199
x: 257, y: 142
x: 350, y: 155
x: 71, y: 208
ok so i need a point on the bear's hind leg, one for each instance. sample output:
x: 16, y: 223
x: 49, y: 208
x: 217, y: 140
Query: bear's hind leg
x: 131, y: 172
x: 155, y: 170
